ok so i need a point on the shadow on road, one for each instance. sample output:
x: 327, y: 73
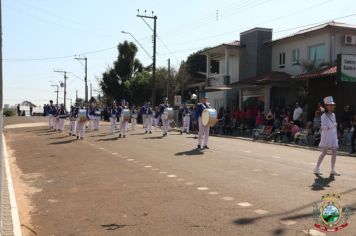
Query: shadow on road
x: 60, y: 137
x: 100, y: 135
x: 63, y: 142
x: 154, y: 137
x: 193, y: 152
x: 138, y: 134
x: 108, y: 139
x: 290, y: 214
x: 320, y: 183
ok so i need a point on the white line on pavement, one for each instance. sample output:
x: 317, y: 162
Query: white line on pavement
x: 228, y: 198
x: 16, y: 226
x: 202, y: 188
x: 261, y: 212
x: 244, y: 204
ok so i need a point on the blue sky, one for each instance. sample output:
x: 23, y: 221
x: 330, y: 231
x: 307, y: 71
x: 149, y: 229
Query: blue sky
x: 44, y: 29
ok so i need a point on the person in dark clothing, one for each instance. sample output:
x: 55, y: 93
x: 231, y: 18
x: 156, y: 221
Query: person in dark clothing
x: 353, y: 139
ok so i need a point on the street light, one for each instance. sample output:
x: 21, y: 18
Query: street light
x: 86, y: 75
x: 125, y: 32
x: 54, y: 85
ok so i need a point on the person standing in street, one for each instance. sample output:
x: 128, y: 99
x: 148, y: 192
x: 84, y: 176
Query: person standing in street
x: 353, y: 130
x: 133, y: 114
x: 185, y: 119
x: 123, y: 121
x: 73, y: 120
x: 51, y: 109
x: 62, y: 115
x: 165, y: 122
x: 148, y: 119
x: 143, y: 112
x: 113, y: 117
x: 329, y: 138
x: 297, y: 115
x: 203, y: 129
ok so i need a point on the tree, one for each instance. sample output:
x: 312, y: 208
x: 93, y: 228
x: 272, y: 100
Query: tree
x: 113, y: 81
x: 139, y: 87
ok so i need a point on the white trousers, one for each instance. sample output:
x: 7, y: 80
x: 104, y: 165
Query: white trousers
x: 80, y: 129
x: 323, y: 154
x: 96, y: 122
x: 148, y: 125
x: 186, y: 124
x: 50, y: 121
x: 55, y: 123
x: 165, y: 125
x: 61, y: 124
x: 123, y: 127
x: 144, y: 120
x: 133, y: 123
x: 72, y: 127
x: 113, y: 121
x: 91, y: 123
x: 203, y: 133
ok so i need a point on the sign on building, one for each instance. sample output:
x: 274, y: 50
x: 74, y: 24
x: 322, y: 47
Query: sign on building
x: 177, y: 100
x: 347, y: 68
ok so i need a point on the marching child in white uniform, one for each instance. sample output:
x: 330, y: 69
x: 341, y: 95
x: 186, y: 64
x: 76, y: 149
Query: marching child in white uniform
x: 203, y: 129
x: 73, y: 121
x: 113, y: 118
x: 133, y: 117
x: 329, y: 138
x: 149, y: 116
x: 62, y: 115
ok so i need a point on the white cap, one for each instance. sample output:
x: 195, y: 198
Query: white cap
x: 329, y: 100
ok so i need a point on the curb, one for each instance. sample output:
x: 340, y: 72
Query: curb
x: 339, y: 153
x: 16, y: 226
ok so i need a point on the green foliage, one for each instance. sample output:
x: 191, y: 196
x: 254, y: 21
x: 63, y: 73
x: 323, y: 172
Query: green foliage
x: 9, y: 112
x: 124, y: 68
x: 196, y: 63
x: 139, y: 88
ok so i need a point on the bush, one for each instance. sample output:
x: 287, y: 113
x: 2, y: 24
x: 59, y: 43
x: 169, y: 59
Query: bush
x: 9, y: 112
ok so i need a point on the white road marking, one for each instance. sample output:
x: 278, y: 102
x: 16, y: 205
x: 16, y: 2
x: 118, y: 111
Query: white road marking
x: 202, y: 188
x: 102, y: 148
x: 244, y: 204
x: 275, y: 174
x: 313, y: 232
x: 288, y: 222
x: 26, y: 125
x: 276, y: 157
x: 247, y: 151
x: 189, y: 183
x: 228, y: 198
x: 148, y: 166
x: 261, y: 212
x: 130, y: 159
x: 213, y: 193
x: 52, y: 200
x: 163, y: 172
x: 171, y: 176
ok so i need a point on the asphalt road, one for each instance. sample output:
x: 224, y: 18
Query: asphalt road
x: 149, y: 185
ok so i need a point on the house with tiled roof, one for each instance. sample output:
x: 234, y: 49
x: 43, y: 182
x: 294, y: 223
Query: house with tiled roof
x: 259, y: 71
x: 311, y: 55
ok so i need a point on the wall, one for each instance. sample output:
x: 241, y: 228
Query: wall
x: 303, y: 44
x: 216, y: 99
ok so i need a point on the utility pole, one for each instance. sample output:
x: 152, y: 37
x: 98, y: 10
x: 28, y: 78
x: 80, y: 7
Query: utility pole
x: 154, y: 52
x: 1, y: 125
x: 169, y: 76
x: 64, y: 87
x: 76, y: 96
x: 86, y: 76
x: 57, y: 91
x: 91, y: 91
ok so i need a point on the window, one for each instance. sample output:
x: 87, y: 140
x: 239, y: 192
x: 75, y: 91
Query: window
x: 316, y: 53
x: 282, y: 60
x: 295, y: 56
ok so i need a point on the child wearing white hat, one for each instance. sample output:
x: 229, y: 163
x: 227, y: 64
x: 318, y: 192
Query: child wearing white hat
x: 329, y: 138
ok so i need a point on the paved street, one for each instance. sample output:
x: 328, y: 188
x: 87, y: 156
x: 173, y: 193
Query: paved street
x: 149, y: 185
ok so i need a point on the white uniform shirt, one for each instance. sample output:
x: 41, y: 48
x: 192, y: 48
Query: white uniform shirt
x: 328, y: 131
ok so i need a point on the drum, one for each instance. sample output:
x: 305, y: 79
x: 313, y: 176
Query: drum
x: 125, y: 115
x: 209, y: 117
x: 82, y: 115
x: 168, y: 113
x: 134, y: 116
